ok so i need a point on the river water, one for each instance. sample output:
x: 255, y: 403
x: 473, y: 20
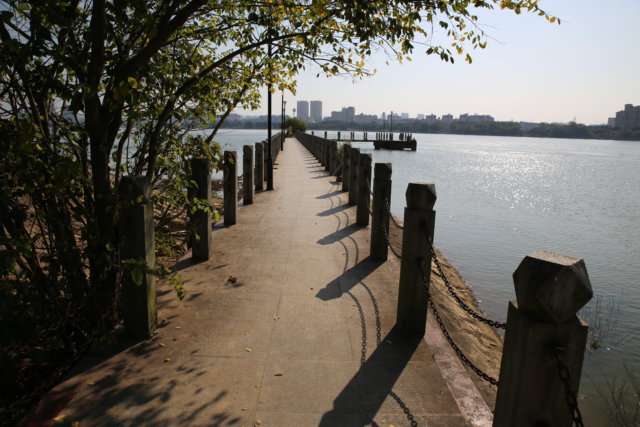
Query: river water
x: 501, y: 198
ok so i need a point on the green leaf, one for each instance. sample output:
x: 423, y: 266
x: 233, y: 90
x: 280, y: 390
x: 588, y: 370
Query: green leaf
x: 136, y: 276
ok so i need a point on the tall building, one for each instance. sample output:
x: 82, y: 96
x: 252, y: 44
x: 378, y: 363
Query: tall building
x: 348, y: 114
x: 303, y: 111
x: 316, y: 111
x: 629, y: 118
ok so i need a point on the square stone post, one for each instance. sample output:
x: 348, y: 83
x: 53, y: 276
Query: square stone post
x: 200, y: 220
x: 327, y: 155
x: 544, y: 335
x: 379, y: 213
x: 333, y: 157
x: 247, y: 174
x: 354, y: 159
x: 346, y: 161
x: 137, y: 252
x: 325, y: 134
x: 419, y: 221
x: 230, y: 187
x: 364, y: 192
x: 259, y: 176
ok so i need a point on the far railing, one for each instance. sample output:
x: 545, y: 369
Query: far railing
x: 544, y: 340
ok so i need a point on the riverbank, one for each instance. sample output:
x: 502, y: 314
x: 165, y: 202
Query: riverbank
x: 479, y: 342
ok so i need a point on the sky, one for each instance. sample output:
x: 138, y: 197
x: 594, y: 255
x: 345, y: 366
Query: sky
x: 585, y: 69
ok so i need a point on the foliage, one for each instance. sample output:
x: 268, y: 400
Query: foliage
x: 90, y: 91
x: 295, y: 125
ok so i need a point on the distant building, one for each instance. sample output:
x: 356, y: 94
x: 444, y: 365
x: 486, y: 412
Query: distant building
x: 611, y: 122
x: 384, y: 116
x: 337, y: 116
x: 475, y: 118
x: 348, y: 114
x: 316, y: 111
x: 365, y: 118
x: 528, y: 125
x: 447, y: 117
x: 303, y: 111
x: 431, y: 118
x: 420, y: 117
x: 629, y: 118
x: 404, y: 116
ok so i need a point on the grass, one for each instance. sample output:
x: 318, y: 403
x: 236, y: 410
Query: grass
x: 622, y: 398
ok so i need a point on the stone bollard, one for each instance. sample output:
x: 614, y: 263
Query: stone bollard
x: 327, y: 155
x: 230, y: 176
x: 333, y: 157
x: 339, y: 136
x: 419, y: 221
x: 200, y: 221
x: 137, y: 252
x: 325, y: 134
x: 247, y: 174
x: 543, y: 328
x: 364, y: 192
x: 379, y: 213
x: 354, y: 159
x: 312, y: 133
x: 259, y: 175
x: 346, y: 160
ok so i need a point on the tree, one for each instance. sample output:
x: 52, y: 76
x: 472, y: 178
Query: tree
x: 295, y: 125
x: 90, y: 91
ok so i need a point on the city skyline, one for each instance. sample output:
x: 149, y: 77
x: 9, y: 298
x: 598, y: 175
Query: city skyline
x: 584, y: 69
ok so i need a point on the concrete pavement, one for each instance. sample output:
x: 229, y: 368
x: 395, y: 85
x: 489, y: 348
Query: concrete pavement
x: 304, y: 337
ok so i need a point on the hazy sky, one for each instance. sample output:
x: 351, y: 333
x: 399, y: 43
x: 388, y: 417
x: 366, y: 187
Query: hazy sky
x: 588, y: 68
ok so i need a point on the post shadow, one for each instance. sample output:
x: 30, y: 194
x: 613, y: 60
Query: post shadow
x: 333, y: 210
x: 375, y: 379
x: 347, y: 280
x: 340, y: 234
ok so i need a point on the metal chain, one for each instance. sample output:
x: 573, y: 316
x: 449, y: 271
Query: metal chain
x: 388, y: 207
x: 563, y: 371
x: 453, y: 345
x: 470, y: 311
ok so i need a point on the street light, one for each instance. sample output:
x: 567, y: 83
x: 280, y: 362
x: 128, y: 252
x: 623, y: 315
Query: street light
x: 284, y: 106
x: 269, y: 155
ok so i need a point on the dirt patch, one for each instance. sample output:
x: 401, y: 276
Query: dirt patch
x: 478, y: 341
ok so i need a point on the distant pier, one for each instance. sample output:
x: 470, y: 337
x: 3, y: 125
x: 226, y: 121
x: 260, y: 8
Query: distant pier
x: 381, y: 140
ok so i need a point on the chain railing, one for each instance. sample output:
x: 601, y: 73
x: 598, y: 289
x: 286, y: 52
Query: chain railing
x: 447, y: 336
x: 470, y: 311
x: 571, y: 399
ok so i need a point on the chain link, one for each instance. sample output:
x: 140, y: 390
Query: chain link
x: 452, y: 292
x: 563, y: 371
x: 453, y: 345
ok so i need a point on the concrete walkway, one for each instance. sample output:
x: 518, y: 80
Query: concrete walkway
x: 304, y: 337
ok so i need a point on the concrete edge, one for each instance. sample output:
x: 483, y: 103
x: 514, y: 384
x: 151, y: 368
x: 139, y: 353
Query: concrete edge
x: 472, y: 406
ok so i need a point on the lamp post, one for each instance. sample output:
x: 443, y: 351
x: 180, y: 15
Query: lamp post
x: 284, y: 106
x: 269, y: 155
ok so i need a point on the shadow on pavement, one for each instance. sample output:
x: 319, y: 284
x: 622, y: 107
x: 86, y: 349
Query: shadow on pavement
x: 347, y: 280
